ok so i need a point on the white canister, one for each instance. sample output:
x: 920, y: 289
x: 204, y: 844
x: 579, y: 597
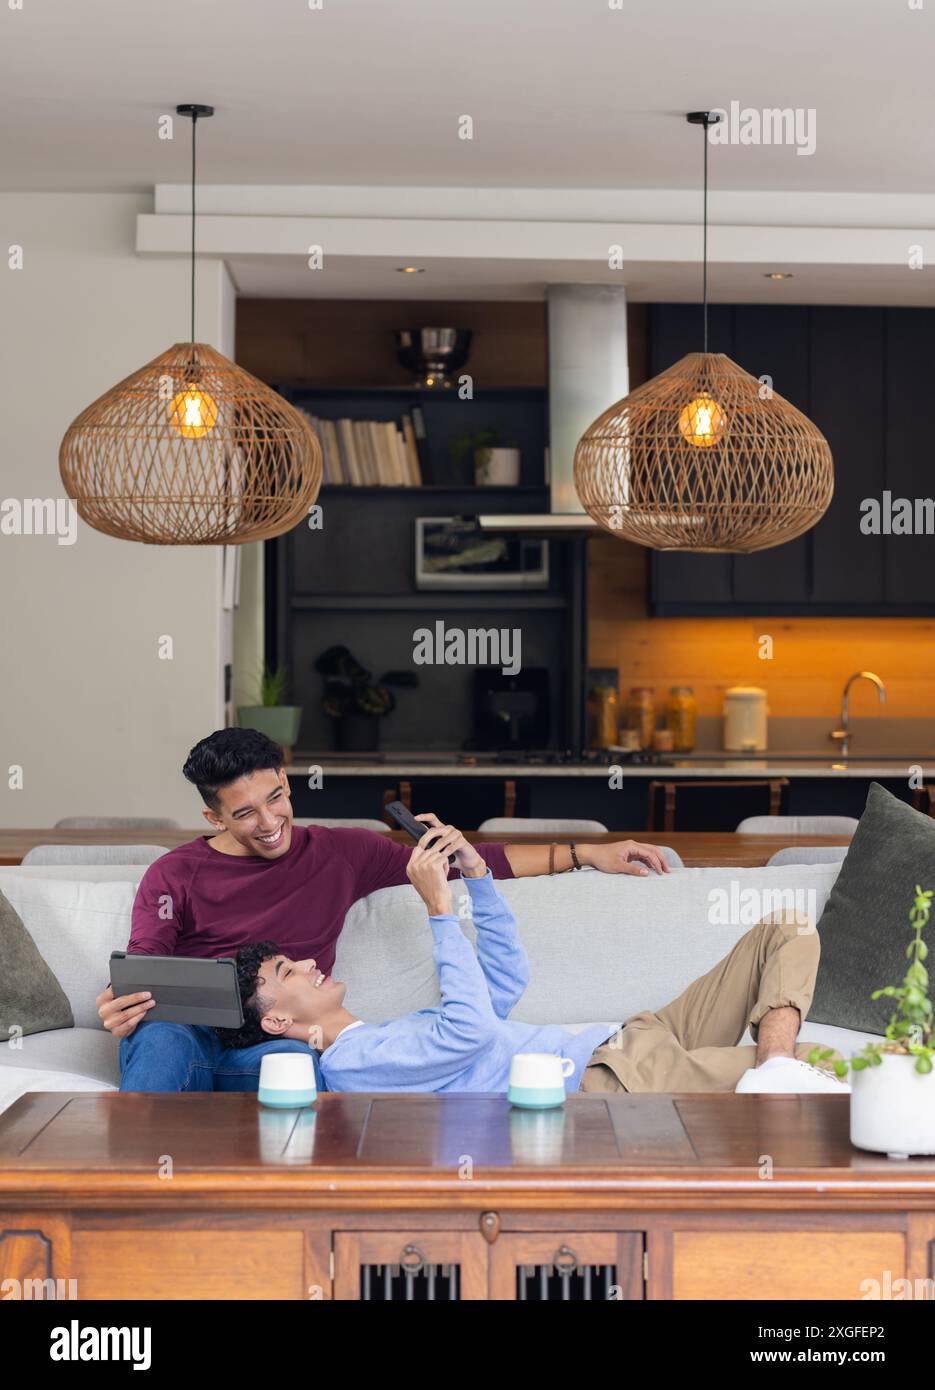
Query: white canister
x: 497, y: 467
x: 745, y: 712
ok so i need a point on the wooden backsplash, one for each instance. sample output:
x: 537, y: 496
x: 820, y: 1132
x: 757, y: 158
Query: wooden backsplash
x: 812, y: 657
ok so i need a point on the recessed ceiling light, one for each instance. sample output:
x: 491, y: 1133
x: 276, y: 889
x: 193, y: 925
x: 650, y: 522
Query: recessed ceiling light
x: 779, y: 275
x: 410, y: 270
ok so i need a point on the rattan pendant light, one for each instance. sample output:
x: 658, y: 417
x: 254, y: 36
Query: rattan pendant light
x: 704, y: 457
x: 191, y: 449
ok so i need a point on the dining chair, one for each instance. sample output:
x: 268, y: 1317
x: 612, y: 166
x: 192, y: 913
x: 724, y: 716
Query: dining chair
x: 533, y: 825
x: 337, y: 822
x: 93, y: 854
x: 116, y: 823
x: 808, y: 854
x: 797, y: 825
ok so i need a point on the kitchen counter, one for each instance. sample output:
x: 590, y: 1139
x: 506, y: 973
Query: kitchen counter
x: 701, y: 765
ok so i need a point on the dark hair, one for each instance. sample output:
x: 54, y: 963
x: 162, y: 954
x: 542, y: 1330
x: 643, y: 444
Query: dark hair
x: 249, y: 961
x: 227, y: 755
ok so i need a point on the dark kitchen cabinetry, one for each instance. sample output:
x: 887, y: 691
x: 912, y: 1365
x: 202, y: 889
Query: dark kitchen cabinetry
x: 909, y: 392
x: 866, y: 377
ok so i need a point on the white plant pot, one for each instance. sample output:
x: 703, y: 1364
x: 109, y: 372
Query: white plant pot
x: 893, y: 1108
x: 496, y: 467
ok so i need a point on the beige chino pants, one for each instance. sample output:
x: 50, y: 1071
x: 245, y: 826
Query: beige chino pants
x: 691, y: 1044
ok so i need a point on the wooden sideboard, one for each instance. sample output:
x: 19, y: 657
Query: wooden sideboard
x: 457, y: 1197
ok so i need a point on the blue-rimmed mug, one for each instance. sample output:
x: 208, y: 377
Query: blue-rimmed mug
x: 287, y: 1080
x: 537, y: 1079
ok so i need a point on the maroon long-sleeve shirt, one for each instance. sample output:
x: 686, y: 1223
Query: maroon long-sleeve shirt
x: 195, y: 901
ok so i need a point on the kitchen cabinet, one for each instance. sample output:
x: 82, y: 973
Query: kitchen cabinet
x: 909, y: 387
x: 865, y: 376
x: 847, y: 362
x: 768, y: 343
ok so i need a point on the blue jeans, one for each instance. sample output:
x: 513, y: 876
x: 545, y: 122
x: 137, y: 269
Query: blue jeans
x: 180, y: 1057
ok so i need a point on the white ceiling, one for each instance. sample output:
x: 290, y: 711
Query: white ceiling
x: 352, y: 111
x: 563, y: 93
x: 657, y: 283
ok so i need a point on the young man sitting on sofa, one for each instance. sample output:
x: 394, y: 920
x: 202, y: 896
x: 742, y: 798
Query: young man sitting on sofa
x: 467, y: 1042
x: 259, y: 874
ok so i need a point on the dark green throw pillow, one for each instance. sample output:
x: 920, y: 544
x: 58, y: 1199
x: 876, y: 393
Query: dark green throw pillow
x: 31, y: 998
x: 864, y: 928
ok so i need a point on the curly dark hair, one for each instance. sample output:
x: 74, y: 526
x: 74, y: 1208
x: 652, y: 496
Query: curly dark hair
x: 250, y: 958
x: 227, y: 755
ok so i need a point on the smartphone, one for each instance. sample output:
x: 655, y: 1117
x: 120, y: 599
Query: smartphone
x: 407, y: 821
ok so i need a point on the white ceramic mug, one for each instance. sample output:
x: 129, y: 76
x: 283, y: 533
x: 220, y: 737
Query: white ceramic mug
x: 537, y: 1079
x: 287, y: 1080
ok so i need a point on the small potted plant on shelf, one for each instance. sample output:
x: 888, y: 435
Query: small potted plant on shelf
x: 496, y: 460
x: 355, y: 701
x: 271, y: 716
x: 893, y: 1089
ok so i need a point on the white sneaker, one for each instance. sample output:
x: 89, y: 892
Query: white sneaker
x: 790, y: 1076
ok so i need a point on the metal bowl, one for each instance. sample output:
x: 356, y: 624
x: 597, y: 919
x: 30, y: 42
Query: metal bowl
x: 433, y: 354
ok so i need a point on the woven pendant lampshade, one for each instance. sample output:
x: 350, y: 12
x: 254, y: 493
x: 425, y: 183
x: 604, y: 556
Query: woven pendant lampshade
x: 191, y: 450
x: 703, y: 457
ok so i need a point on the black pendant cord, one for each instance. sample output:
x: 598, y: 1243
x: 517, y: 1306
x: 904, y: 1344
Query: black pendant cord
x: 193, y: 112
x: 194, y: 124
x: 703, y: 238
x: 705, y: 119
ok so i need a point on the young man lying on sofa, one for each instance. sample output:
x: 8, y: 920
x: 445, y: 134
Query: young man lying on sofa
x: 467, y: 1042
x: 260, y: 875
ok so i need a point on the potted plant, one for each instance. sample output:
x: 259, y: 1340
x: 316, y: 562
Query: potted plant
x: 271, y: 716
x: 355, y: 701
x: 496, y: 460
x: 893, y: 1089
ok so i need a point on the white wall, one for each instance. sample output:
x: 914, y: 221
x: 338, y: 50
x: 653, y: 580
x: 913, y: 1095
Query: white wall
x: 97, y: 722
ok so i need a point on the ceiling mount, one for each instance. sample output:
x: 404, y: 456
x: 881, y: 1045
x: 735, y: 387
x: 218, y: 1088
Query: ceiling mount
x: 703, y: 117
x: 194, y: 110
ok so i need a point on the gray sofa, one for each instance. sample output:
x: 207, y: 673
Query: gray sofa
x: 601, y: 947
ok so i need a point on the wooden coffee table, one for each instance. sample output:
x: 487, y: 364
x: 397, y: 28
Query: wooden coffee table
x: 392, y: 1197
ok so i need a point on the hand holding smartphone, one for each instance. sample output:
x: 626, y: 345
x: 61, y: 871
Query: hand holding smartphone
x: 407, y: 821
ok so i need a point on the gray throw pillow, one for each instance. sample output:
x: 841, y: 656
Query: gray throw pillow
x: 864, y: 928
x: 31, y: 998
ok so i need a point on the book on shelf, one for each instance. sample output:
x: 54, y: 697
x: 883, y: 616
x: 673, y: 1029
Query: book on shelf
x: 369, y: 453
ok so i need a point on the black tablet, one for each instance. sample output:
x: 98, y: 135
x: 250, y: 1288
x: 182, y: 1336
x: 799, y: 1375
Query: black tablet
x: 187, y: 989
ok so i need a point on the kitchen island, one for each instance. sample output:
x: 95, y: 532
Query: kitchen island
x: 711, y: 791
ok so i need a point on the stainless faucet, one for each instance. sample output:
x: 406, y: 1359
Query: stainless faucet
x: 843, y: 735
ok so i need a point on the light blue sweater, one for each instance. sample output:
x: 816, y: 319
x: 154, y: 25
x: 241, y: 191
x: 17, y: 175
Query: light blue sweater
x: 466, y: 1042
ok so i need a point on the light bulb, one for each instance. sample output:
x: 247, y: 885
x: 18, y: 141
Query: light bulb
x: 193, y: 412
x: 702, y: 422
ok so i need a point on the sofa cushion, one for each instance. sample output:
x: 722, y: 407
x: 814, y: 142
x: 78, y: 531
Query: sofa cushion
x: 600, y: 946
x: 16, y: 1081
x: 77, y: 1051
x: 75, y: 925
x: 865, y: 927
x: 31, y: 998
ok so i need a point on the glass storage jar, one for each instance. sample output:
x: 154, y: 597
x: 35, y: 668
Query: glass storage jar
x: 681, y: 717
x: 641, y: 714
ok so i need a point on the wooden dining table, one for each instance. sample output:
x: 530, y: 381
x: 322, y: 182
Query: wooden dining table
x: 698, y: 849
